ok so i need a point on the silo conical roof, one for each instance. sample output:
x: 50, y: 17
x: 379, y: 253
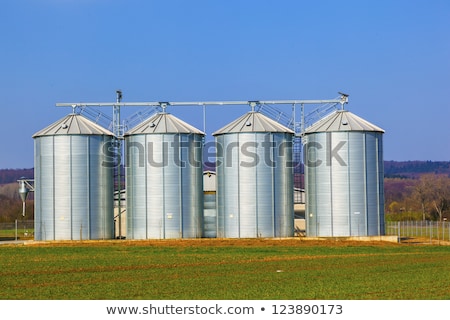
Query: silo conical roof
x: 73, y: 124
x: 163, y: 123
x: 253, y: 122
x: 342, y: 120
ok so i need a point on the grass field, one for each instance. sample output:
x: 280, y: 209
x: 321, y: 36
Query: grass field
x: 224, y: 269
x: 11, y: 234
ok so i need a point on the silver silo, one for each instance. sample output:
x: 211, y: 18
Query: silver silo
x: 254, y: 178
x: 344, y: 177
x: 73, y: 181
x: 164, y: 179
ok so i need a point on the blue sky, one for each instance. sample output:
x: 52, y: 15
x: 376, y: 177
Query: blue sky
x: 392, y: 57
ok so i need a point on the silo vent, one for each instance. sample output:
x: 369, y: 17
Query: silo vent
x: 64, y: 126
x: 248, y: 123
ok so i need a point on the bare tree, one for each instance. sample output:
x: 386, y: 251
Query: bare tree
x: 441, y: 194
x: 421, y: 192
x: 435, y: 190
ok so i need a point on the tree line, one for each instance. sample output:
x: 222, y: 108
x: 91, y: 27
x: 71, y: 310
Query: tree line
x: 12, y: 175
x: 11, y: 203
x: 414, y: 169
x: 11, y: 209
x: 424, y: 198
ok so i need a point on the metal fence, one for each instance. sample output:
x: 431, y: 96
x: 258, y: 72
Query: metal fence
x: 432, y: 230
x: 20, y: 229
x: 427, y: 230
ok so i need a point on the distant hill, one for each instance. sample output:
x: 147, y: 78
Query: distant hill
x: 392, y: 169
x: 11, y: 175
x: 400, y: 169
x: 413, y: 169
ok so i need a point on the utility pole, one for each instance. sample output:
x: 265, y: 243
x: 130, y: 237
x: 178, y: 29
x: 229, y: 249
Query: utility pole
x: 118, y: 136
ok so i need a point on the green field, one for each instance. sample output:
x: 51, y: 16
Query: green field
x: 11, y: 234
x: 208, y: 269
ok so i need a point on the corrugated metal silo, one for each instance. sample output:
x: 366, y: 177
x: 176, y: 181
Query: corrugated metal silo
x: 344, y: 177
x: 73, y: 181
x: 254, y: 178
x: 164, y: 179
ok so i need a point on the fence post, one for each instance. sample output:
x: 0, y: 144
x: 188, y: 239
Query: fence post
x: 399, y: 234
x: 431, y: 232
x: 417, y: 229
x: 443, y: 230
x: 438, y: 231
x: 16, y: 229
x: 410, y: 226
x: 421, y: 228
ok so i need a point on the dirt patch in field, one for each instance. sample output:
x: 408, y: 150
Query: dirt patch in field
x: 424, y: 241
x: 215, y: 243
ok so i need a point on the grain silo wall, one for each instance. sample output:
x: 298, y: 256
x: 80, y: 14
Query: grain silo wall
x: 254, y: 185
x: 73, y: 188
x: 164, y: 186
x: 344, y: 183
x: 210, y: 215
